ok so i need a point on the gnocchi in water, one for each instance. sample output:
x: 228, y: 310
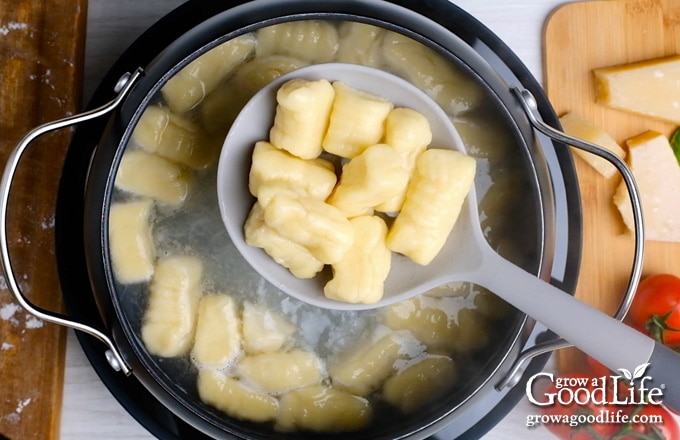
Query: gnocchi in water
x: 131, y: 241
x: 364, y: 369
x: 246, y: 349
x: 174, y: 294
x: 419, y: 383
x: 264, y: 331
x: 175, y: 138
x: 323, y: 409
x: 217, y: 341
x: 193, y: 83
x: 278, y: 372
x: 390, y: 169
x: 150, y: 175
x: 230, y: 395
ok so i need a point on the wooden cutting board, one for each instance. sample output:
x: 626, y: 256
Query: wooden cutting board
x: 578, y: 38
x: 41, y: 60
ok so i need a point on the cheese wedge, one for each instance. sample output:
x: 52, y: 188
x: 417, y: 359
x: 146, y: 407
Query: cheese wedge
x: 657, y: 173
x: 650, y: 88
x: 578, y: 127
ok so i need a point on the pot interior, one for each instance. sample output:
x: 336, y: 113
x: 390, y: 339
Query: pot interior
x: 468, y: 325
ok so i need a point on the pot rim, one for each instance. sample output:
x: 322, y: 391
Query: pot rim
x: 133, y: 106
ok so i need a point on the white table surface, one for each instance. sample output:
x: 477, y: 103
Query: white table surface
x: 89, y: 410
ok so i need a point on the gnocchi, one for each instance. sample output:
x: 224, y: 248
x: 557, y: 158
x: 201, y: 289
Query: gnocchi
x: 187, y: 88
x: 356, y: 122
x: 301, y: 117
x: 279, y: 372
x: 409, y: 133
x: 219, y: 109
x: 175, y: 138
x: 291, y: 188
x: 231, y: 396
x: 264, y: 331
x: 289, y: 254
x: 152, y: 176
x: 492, y: 306
x: 367, y: 366
x: 420, y: 383
x: 433, y: 321
x: 217, y: 341
x: 314, y: 224
x: 359, y: 277
x: 311, y: 40
x: 273, y: 169
x: 434, y: 198
x: 368, y: 180
x: 320, y: 408
x: 359, y: 43
x: 474, y: 331
x: 131, y: 242
x: 169, y: 321
x: 455, y: 92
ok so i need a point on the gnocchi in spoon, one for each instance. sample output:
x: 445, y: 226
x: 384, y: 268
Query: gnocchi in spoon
x: 342, y: 180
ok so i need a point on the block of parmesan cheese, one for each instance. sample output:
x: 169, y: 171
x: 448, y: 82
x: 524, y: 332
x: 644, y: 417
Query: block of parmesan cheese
x: 650, y: 88
x: 578, y: 127
x: 657, y: 174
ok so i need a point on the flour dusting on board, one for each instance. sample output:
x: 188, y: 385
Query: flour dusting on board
x: 7, y: 312
x: 12, y: 26
x: 22, y: 404
x: 33, y: 322
x: 13, y: 313
x: 48, y: 223
x: 15, y: 417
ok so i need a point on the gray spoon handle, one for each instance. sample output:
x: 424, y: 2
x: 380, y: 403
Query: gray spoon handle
x: 665, y: 375
x: 599, y: 335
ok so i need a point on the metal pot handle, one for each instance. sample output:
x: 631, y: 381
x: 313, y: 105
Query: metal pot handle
x: 530, y: 107
x: 123, y: 86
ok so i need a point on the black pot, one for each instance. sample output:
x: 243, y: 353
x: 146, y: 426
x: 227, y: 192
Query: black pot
x: 87, y: 189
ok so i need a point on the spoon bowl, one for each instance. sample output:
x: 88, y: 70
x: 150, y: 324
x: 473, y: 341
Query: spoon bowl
x: 406, y: 278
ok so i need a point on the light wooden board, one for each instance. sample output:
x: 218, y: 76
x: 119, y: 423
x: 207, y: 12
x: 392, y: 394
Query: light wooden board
x: 578, y: 38
x: 41, y: 57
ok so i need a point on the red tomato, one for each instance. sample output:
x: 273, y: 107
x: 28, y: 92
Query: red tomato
x: 658, y: 424
x: 656, y: 308
x: 562, y: 429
